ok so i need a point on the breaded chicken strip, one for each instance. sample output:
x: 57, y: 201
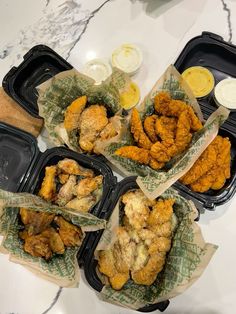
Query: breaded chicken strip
x: 137, y: 208
x: 92, y: 121
x: 137, y: 154
x: 165, y: 128
x: 204, y: 163
x: 48, y: 187
x: 137, y: 130
x: 73, y: 112
x: 149, y: 127
x: 70, y: 166
x: 156, y: 165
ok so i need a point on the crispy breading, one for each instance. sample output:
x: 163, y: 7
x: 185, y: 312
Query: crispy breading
x: 137, y: 130
x: 204, y: 163
x: 165, y: 128
x: 148, y: 274
x: 141, y: 256
x: 38, y: 246
x: 137, y: 208
x: 159, y: 244
x: 70, y: 166
x: 195, y: 122
x: 183, y: 136
x: 135, y: 153
x: 156, y: 165
x: 35, y: 221
x: 73, y: 112
x: 71, y: 235
x: 87, y: 186
x: 119, y: 280
x: 159, y: 152
x: 63, y: 177
x: 149, y: 127
x: 92, y: 121
x: 48, y: 187
x: 65, y: 193
x: 109, y: 131
x: 162, y: 230
x: 55, y: 241
x: 83, y: 204
x: 161, y: 212
x: 164, y: 105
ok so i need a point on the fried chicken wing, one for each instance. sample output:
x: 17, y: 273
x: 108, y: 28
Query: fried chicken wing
x: 38, y: 246
x: 137, y: 208
x: 149, y: 127
x: 162, y: 230
x: 70, y: 166
x: 135, y: 153
x: 71, y: 235
x: 34, y: 221
x: 92, y: 121
x: 66, y: 191
x: 73, y: 112
x: 63, y: 177
x: 119, y: 280
x: 88, y: 185
x: 55, y: 241
x: 83, y: 204
x: 204, y: 163
x: 48, y: 187
x: 137, y: 130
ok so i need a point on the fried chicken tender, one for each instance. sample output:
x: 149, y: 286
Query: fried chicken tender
x: 204, y: 163
x: 83, y: 204
x: 66, y: 191
x: 137, y: 130
x: 165, y: 128
x: 215, y: 178
x: 92, y: 121
x: 156, y: 165
x: 161, y: 212
x: 48, y: 187
x: 183, y: 136
x: 71, y: 235
x: 34, y: 221
x: 149, y: 127
x: 87, y: 186
x: 148, y: 274
x: 137, y: 154
x: 73, y: 112
x: 162, y: 230
x: 70, y: 166
x: 137, y: 208
x: 159, y: 244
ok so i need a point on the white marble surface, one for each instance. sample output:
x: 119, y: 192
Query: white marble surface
x: 80, y: 31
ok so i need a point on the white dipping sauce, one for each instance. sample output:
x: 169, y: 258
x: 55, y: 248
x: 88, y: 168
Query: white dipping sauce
x: 225, y: 93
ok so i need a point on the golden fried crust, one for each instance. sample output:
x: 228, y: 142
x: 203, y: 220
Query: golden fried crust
x: 164, y: 105
x: 106, y: 263
x: 159, y: 152
x: 38, y: 246
x: 137, y: 154
x: 70, y: 166
x: 65, y: 193
x: 205, y: 182
x: 183, y: 136
x: 149, y: 127
x: 88, y: 185
x: 147, y: 275
x: 55, y: 241
x: 160, y: 244
x: 73, y: 112
x: 204, y: 163
x: 92, y: 121
x: 195, y: 123
x: 137, y: 130
x: 165, y: 128
x: 156, y: 165
x: 71, y: 235
x: 48, y: 187
x: 162, y: 230
x: 119, y: 280
x: 162, y: 212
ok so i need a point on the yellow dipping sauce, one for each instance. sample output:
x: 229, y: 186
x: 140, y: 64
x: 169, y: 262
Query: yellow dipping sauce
x: 200, y: 80
x: 130, y: 97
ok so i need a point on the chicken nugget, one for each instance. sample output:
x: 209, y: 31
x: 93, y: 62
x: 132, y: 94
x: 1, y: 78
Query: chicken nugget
x: 137, y: 154
x: 119, y: 280
x: 73, y: 112
x: 137, y: 130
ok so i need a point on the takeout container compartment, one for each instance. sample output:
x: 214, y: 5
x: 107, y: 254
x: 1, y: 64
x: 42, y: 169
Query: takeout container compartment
x: 88, y: 261
x: 40, y: 64
x: 211, y: 51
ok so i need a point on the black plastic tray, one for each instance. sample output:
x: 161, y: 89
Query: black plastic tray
x: 40, y: 64
x: 211, y: 51
x: 88, y: 260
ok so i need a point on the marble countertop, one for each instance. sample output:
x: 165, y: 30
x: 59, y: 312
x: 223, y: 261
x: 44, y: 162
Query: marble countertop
x: 80, y: 31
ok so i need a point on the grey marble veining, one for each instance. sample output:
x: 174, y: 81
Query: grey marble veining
x: 54, y: 301
x: 229, y: 22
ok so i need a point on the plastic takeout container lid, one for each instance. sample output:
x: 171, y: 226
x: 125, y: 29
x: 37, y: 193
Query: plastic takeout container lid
x: 40, y: 64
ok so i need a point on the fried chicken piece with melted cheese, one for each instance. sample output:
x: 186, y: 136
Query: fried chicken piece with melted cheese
x: 73, y: 112
x: 140, y: 137
x: 92, y: 121
x: 149, y: 127
x: 48, y: 187
x: 70, y: 234
x: 35, y: 221
x: 137, y: 208
x: 70, y: 166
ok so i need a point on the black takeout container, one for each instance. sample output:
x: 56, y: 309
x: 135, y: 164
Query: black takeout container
x: 88, y: 261
x: 40, y: 64
x: 211, y: 51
